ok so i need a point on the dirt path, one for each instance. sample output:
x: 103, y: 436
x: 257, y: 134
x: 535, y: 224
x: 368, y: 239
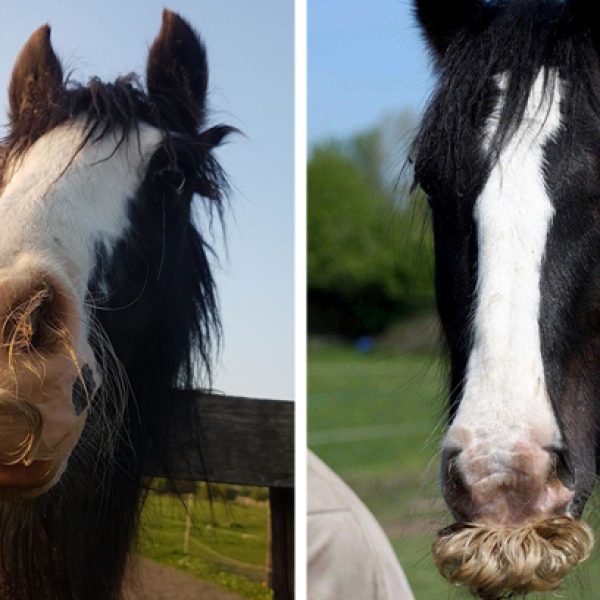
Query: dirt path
x: 148, y: 580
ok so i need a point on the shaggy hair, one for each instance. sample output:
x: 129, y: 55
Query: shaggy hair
x: 156, y: 330
x: 493, y: 562
x: 519, y: 39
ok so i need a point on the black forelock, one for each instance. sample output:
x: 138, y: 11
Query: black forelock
x: 519, y: 39
x: 119, y: 104
x: 119, y: 107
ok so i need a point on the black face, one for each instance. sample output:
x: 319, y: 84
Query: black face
x: 570, y: 286
x: 472, y: 47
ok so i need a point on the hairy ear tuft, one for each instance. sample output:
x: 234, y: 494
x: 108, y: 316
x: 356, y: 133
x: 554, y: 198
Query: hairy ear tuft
x: 37, y: 77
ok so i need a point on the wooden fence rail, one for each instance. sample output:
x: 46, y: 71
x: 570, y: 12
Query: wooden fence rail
x: 243, y: 441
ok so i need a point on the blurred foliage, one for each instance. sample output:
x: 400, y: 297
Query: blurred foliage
x: 369, y: 242
x: 176, y: 487
x: 230, y: 492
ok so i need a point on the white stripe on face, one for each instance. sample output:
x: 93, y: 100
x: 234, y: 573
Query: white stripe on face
x: 58, y: 206
x: 505, y: 400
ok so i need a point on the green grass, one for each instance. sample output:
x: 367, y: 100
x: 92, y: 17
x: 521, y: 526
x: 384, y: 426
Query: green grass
x: 227, y: 542
x: 371, y: 418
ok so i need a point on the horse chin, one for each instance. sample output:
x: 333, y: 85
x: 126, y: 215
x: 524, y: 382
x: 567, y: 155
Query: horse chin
x: 21, y: 482
x: 493, y: 561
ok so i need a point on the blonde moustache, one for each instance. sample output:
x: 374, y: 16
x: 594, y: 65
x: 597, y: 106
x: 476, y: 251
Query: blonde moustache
x: 493, y: 562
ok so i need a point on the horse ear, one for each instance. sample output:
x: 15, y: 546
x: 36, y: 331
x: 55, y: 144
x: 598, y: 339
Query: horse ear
x: 441, y: 20
x: 37, y: 77
x: 177, y: 73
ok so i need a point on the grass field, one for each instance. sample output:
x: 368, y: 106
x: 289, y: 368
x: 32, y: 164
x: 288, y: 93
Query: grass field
x: 376, y: 420
x: 227, y: 541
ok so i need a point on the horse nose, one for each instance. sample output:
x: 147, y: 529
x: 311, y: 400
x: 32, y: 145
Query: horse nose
x: 31, y: 317
x: 506, y: 488
x: 46, y: 373
x: 20, y: 429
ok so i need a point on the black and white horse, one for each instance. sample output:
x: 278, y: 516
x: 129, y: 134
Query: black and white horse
x: 509, y: 155
x: 107, y: 302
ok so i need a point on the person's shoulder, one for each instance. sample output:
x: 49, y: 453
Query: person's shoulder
x: 326, y: 490
x: 348, y: 552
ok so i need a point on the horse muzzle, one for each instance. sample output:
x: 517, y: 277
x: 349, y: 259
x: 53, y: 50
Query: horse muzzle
x: 506, y: 488
x: 47, y: 378
x: 514, y: 531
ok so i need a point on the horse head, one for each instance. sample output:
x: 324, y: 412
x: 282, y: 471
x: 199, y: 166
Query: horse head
x: 508, y: 155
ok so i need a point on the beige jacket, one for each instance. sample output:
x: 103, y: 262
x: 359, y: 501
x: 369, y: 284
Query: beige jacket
x: 349, y: 556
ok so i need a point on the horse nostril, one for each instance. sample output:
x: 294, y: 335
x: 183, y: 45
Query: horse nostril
x: 456, y: 490
x: 33, y: 321
x: 560, y: 467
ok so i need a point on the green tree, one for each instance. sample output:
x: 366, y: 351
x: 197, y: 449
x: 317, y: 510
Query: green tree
x: 368, y: 257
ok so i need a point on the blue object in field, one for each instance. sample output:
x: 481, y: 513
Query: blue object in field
x: 364, y: 344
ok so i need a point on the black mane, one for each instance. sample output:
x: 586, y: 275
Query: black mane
x: 520, y: 38
x: 119, y: 107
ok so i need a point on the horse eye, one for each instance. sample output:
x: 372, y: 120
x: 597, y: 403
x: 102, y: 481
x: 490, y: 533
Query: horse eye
x: 175, y: 178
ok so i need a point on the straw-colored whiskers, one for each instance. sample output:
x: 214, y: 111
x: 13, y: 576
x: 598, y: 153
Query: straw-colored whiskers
x: 493, y: 562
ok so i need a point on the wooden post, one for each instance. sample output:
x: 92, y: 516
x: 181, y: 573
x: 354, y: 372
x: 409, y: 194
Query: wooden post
x: 189, y: 506
x: 282, y: 542
x: 268, y: 566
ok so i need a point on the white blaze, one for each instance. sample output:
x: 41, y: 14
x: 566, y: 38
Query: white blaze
x: 505, y: 398
x: 56, y: 206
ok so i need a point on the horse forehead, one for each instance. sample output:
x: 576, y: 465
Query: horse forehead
x: 57, y: 157
x: 77, y: 195
x: 544, y: 92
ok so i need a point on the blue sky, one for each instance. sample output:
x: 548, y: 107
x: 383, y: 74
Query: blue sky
x: 366, y: 60
x: 250, y: 48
